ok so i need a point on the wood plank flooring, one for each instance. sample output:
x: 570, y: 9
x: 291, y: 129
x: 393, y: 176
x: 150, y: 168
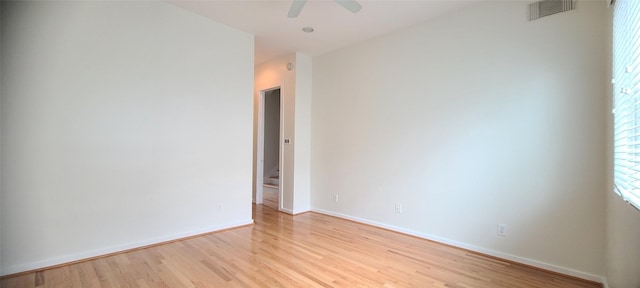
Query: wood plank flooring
x: 307, y: 250
x: 271, y: 199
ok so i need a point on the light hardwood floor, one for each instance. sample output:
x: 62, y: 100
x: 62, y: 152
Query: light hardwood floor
x: 307, y: 250
x: 271, y: 199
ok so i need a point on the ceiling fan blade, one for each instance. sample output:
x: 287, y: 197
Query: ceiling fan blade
x: 350, y: 5
x: 296, y: 7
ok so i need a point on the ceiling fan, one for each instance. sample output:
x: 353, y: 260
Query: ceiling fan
x: 297, y: 6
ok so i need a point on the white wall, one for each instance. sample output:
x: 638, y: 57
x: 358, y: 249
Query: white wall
x: 623, y: 236
x: 302, y: 183
x: 475, y: 118
x: 123, y: 124
x: 295, y: 94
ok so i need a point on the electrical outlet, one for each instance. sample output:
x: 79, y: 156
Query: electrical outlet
x: 502, y: 229
x: 398, y: 208
x: 335, y: 198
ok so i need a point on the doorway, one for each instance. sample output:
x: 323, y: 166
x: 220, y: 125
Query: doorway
x: 268, y: 180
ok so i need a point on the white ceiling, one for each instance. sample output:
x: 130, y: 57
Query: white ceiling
x: 335, y: 27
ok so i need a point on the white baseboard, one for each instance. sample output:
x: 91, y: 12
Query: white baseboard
x: 300, y: 212
x: 294, y: 212
x: 115, y: 249
x: 285, y: 210
x: 506, y: 256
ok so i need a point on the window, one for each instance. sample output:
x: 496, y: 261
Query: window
x: 626, y: 97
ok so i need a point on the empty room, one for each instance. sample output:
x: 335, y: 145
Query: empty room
x: 320, y: 143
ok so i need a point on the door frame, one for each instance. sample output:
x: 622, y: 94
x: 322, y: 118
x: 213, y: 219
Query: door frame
x: 259, y: 181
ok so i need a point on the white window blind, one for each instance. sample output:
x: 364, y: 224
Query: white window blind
x: 626, y: 74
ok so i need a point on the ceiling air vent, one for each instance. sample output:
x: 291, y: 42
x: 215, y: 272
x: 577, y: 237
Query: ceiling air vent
x: 544, y: 8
